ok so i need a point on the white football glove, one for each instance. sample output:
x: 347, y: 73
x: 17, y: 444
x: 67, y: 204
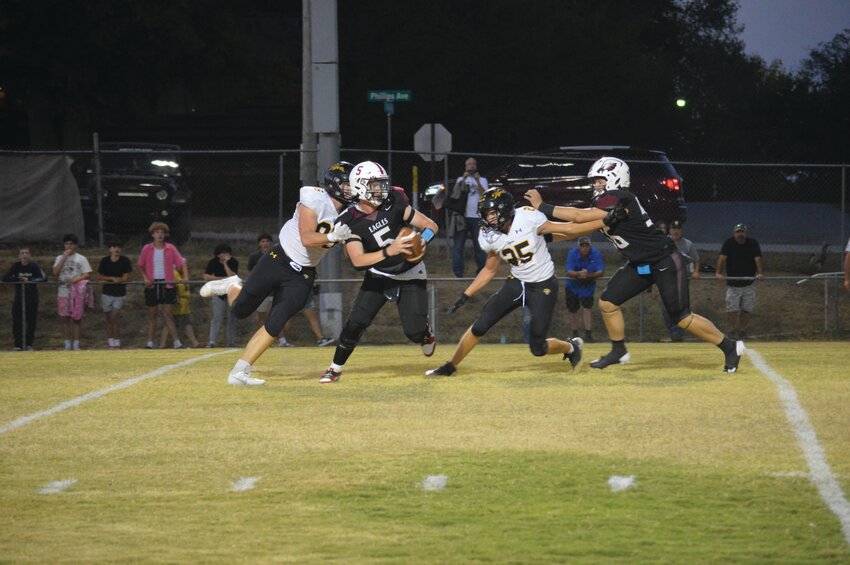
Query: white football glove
x: 340, y: 232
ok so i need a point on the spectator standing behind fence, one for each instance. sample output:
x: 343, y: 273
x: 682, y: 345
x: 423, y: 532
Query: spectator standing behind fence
x: 473, y: 185
x: 25, y: 305
x: 264, y: 242
x: 74, y: 272
x: 741, y: 257
x: 157, y: 263
x: 690, y: 253
x: 114, y: 270
x: 584, y: 265
x: 182, y: 316
x: 221, y: 266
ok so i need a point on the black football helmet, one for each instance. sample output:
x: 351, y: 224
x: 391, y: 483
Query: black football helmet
x: 332, y: 182
x: 499, y: 200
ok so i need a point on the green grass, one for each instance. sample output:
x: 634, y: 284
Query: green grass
x: 527, y: 449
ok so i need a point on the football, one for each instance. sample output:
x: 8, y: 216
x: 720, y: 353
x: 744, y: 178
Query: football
x: 416, y: 251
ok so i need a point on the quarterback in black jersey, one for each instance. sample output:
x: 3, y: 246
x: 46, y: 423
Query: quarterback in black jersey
x: 375, y: 246
x: 652, y: 258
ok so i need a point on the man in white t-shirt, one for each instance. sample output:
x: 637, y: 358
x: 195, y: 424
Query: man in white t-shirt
x: 474, y: 185
x: 71, y: 268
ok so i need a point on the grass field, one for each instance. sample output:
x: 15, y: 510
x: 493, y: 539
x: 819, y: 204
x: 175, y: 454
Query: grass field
x: 526, y: 449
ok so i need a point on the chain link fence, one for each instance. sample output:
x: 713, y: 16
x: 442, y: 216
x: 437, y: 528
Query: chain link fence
x: 797, y: 212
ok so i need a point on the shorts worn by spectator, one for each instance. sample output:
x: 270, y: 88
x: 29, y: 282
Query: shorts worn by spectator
x: 221, y: 266
x: 157, y: 263
x: 25, y: 304
x: 114, y: 270
x: 740, y: 258
x: 73, y: 293
x: 584, y: 265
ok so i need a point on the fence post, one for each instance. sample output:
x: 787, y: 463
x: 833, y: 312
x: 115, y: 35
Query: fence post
x: 640, y: 316
x: 280, y: 189
x: 23, y: 316
x: 826, y: 304
x: 432, y: 305
x: 97, y: 185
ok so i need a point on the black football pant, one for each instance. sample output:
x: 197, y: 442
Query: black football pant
x: 291, y: 285
x: 411, y: 299
x: 541, y: 299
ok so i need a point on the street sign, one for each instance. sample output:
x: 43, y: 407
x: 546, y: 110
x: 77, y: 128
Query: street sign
x: 390, y: 96
x: 432, y: 142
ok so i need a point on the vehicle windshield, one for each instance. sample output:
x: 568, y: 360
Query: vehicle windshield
x: 141, y: 162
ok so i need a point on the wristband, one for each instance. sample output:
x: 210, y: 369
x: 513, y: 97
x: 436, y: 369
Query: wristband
x: 384, y: 251
x: 547, y: 209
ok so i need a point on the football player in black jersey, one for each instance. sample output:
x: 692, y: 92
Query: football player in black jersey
x: 374, y: 246
x: 652, y: 258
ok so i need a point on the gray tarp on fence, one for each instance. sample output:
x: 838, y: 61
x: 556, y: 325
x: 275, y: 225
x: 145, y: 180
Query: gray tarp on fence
x: 39, y: 199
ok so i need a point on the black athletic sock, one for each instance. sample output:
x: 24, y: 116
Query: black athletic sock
x: 727, y: 345
x: 618, y: 346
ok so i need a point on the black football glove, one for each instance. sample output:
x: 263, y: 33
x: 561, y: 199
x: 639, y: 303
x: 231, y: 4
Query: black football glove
x: 617, y: 214
x: 460, y: 302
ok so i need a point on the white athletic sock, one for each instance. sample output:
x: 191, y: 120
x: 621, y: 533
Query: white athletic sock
x: 337, y: 368
x: 177, y: 344
x: 241, y: 365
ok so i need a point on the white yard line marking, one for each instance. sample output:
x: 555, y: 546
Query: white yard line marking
x: 820, y: 473
x: 24, y: 420
x: 55, y: 487
x: 244, y: 483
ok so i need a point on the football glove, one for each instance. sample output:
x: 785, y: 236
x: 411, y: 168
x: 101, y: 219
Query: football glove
x: 460, y: 302
x: 617, y: 214
x: 340, y: 232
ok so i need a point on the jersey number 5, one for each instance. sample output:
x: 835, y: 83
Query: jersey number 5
x: 516, y: 255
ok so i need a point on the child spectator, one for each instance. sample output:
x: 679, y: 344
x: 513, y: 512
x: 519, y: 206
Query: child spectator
x: 74, y: 272
x: 182, y: 316
x: 115, y: 270
x: 25, y: 305
x: 157, y: 263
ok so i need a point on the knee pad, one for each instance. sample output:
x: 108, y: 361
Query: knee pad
x: 416, y: 337
x: 351, y: 334
x: 538, y: 347
x: 479, y: 329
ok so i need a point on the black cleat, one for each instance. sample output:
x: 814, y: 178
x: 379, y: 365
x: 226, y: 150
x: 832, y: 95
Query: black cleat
x: 445, y: 370
x: 611, y: 358
x: 733, y: 357
x: 575, y: 355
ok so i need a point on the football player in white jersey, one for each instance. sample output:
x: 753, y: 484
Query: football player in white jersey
x: 288, y: 269
x: 516, y: 235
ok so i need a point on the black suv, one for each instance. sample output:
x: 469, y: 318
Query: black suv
x: 141, y: 183
x: 560, y: 175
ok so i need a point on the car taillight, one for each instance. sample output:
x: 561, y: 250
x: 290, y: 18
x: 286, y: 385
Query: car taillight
x: 672, y: 184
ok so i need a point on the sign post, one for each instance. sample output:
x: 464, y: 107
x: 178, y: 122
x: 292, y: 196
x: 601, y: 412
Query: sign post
x: 389, y: 98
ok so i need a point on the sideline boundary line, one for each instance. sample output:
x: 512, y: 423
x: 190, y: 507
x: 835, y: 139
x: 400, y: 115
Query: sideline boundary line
x: 24, y: 420
x: 820, y: 473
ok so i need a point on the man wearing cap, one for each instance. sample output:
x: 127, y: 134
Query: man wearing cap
x: 157, y: 263
x: 740, y: 256
x: 690, y: 253
x: 584, y: 265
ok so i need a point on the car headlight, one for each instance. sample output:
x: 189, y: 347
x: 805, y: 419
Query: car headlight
x: 162, y: 195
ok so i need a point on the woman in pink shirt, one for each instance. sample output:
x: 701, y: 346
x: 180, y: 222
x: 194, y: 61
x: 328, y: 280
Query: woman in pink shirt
x: 157, y: 263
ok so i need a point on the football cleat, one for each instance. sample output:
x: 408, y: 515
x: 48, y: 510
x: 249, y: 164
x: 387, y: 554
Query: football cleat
x: 429, y: 343
x: 575, y: 355
x: 734, y: 357
x: 243, y: 378
x: 611, y: 358
x: 330, y: 376
x: 445, y: 370
x: 219, y: 287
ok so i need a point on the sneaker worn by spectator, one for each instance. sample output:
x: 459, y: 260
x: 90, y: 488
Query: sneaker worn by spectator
x: 325, y: 341
x: 282, y: 342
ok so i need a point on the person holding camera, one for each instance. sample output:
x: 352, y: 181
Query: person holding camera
x: 469, y: 186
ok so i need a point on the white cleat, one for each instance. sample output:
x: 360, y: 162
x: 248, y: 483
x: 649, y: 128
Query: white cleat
x: 243, y: 378
x: 219, y: 287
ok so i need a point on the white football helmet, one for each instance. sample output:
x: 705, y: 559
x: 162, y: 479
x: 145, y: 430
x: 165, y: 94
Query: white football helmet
x: 613, y: 170
x: 369, y: 181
